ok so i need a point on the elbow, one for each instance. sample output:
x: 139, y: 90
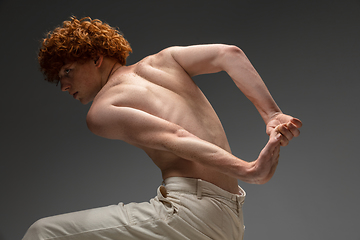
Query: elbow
x: 262, y: 181
x: 232, y: 51
x: 235, y: 49
x: 96, y: 126
x: 92, y: 124
x: 230, y: 55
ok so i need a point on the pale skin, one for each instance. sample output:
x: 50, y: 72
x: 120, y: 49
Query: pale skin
x: 156, y: 106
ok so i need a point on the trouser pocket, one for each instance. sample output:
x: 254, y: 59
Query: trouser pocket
x: 166, y: 204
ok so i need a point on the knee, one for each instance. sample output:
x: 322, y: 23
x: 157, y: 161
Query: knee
x: 37, y: 230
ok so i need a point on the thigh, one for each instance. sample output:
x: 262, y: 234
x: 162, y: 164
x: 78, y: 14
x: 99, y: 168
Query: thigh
x: 88, y: 224
x: 148, y: 220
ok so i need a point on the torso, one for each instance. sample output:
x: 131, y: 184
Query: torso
x: 159, y: 86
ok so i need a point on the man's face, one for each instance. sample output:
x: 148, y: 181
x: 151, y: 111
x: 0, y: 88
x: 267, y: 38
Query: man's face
x: 81, y: 80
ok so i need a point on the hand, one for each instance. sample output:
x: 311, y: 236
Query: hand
x: 286, y: 125
x: 262, y: 169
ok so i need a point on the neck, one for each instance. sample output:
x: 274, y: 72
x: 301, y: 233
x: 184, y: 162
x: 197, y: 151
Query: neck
x: 114, y: 67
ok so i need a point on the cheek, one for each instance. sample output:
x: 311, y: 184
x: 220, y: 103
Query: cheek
x: 90, y: 76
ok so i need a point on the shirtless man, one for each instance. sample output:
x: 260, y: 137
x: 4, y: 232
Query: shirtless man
x: 156, y: 106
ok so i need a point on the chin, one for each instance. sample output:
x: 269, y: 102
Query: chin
x: 84, y: 101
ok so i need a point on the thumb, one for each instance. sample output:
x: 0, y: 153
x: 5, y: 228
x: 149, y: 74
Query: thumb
x: 274, y: 141
x: 275, y: 138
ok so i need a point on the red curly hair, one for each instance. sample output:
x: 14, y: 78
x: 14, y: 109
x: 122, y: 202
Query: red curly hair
x: 80, y: 40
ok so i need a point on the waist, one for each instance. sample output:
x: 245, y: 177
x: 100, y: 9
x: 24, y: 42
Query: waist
x: 202, y: 188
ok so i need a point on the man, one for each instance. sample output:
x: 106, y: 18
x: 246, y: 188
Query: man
x: 156, y: 106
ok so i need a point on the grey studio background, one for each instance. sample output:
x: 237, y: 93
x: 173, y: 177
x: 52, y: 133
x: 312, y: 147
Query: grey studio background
x: 307, y: 52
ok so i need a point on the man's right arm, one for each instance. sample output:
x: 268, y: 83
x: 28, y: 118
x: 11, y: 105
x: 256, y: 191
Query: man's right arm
x: 144, y: 130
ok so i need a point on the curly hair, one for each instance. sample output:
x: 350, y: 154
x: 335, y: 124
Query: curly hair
x: 80, y: 40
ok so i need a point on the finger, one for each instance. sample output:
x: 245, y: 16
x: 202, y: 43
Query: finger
x: 271, y: 145
x: 289, y: 131
x: 286, y: 134
x: 284, y: 141
x: 293, y: 129
x: 275, y: 139
x: 296, y: 122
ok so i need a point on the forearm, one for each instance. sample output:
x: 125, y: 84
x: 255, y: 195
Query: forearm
x: 246, y: 78
x: 190, y: 147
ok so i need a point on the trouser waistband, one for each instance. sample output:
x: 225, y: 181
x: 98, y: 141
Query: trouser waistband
x: 201, y: 188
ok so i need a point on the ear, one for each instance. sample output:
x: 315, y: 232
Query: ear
x: 98, y: 60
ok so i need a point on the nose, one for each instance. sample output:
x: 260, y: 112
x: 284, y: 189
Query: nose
x: 65, y: 86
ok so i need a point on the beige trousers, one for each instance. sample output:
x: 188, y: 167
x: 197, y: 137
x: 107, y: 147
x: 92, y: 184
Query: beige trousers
x: 184, y: 208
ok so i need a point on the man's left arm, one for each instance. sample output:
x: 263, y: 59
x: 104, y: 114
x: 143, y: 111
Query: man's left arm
x: 203, y: 59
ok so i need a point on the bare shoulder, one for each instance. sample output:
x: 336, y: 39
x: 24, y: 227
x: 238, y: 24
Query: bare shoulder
x: 163, y: 60
x: 158, y: 78
x: 149, y: 79
x: 162, y: 70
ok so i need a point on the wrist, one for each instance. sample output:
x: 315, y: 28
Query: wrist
x: 251, y: 173
x: 271, y: 115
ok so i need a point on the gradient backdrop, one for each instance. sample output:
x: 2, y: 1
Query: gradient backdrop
x: 307, y: 52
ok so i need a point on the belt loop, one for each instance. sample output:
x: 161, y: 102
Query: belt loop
x: 238, y: 204
x: 199, y: 189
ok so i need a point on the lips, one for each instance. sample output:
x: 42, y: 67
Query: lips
x: 75, y: 95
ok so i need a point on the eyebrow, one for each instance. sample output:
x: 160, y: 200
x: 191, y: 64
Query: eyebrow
x: 65, y: 66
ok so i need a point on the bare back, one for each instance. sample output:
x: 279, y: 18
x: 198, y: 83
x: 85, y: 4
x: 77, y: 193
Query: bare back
x: 159, y: 86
